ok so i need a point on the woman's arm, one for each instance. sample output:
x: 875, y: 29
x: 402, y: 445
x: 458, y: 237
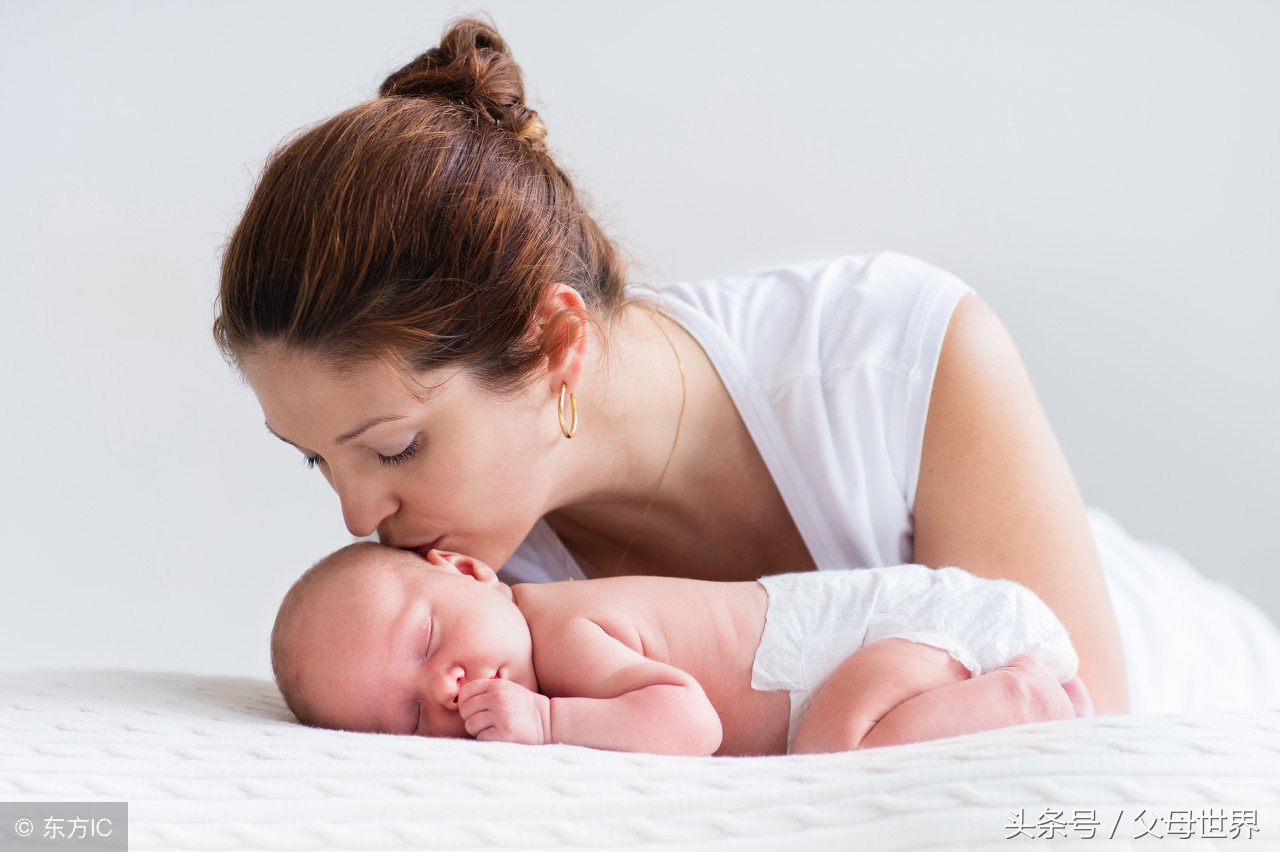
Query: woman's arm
x: 996, y: 497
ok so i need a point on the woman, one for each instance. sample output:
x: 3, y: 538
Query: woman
x: 426, y: 310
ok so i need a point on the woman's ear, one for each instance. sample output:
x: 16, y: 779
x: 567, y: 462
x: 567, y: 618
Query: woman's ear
x: 560, y: 323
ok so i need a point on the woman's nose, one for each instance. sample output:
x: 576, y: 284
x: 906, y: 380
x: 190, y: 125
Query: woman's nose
x: 364, y: 507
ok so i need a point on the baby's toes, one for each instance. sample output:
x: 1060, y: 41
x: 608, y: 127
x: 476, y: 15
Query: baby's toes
x: 1079, y: 696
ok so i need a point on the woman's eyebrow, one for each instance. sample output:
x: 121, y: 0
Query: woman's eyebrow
x: 278, y: 435
x: 368, y: 424
x: 345, y: 436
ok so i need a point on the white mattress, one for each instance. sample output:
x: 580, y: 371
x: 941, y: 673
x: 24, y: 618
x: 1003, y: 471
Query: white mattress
x: 218, y: 763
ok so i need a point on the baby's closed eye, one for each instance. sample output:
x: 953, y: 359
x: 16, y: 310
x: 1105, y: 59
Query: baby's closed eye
x: 426, y: 641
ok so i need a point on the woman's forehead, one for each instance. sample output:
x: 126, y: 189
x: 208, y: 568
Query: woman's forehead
x: 285, y: 380
x: 311, y: 406
x: 280, y: 370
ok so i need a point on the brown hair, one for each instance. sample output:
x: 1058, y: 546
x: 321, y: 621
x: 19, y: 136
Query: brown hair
x: 422, y: 228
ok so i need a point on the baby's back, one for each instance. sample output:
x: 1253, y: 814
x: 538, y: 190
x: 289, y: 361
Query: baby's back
x: 709, y: 630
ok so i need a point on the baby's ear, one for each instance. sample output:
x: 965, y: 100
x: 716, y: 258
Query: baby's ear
x: 465, y: 565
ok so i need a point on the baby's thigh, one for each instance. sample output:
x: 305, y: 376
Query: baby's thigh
x: 894, y: 669
x: 868, y: 684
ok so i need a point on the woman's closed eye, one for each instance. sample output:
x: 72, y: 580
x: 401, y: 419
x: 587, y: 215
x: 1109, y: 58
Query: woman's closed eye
x: 398, y: 458
x: 404, y: 455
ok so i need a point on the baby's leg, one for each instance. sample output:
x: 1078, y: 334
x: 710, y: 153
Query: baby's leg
x: 896, y: 691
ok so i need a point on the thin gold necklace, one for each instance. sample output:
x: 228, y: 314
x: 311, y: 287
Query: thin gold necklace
x: 684, y: 399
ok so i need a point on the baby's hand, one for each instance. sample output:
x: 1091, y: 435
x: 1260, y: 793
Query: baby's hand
x: 500, y: 710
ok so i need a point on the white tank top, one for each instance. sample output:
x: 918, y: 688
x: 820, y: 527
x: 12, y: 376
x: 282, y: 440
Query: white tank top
x: 830, y: 365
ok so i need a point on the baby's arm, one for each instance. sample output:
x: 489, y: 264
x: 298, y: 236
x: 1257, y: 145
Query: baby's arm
x: 615, y: 698
x: 896, y: 691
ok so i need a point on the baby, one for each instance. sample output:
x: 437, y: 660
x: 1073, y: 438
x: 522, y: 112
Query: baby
x: 378, y: 639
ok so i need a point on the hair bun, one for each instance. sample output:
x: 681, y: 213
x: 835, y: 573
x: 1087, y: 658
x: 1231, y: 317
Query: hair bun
x: 472, y: 66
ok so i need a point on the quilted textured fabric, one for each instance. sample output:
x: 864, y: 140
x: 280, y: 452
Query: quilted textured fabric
x: 219, y: 763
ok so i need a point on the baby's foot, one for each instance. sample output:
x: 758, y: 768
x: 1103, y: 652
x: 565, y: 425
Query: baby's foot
x: 1079, y: 696
x: 1044, y: 699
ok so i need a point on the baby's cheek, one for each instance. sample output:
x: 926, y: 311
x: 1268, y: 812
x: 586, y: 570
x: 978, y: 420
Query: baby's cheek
x: 450, y: 724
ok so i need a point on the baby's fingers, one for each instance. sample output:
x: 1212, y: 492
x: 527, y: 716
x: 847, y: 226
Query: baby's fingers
x: 498, y: 709
x: 473, y: 688
x: 481, y: 724
x: 474, y: 697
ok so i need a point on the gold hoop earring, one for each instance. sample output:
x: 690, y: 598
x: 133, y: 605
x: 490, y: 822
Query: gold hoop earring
x: 573, y: 411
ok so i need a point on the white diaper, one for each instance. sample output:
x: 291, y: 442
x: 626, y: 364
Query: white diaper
x: 815, y: 620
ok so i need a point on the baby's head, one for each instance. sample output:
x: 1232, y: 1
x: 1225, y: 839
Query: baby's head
x: 372, y: 638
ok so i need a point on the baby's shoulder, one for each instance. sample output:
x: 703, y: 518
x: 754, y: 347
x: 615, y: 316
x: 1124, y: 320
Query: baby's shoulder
x: 556, y: 609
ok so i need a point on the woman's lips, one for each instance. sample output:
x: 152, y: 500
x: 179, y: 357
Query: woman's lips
x: 423, y: 549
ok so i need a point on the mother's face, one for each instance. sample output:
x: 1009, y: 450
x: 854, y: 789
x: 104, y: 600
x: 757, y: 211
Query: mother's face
x: 439, y: 465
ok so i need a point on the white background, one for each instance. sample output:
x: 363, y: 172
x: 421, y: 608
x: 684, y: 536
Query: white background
x: 1104, y: 173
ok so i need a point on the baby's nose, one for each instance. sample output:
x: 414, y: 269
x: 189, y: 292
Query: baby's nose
x: 449, y: 684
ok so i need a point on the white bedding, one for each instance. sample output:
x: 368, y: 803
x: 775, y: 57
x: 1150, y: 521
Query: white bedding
x: 218, y: 763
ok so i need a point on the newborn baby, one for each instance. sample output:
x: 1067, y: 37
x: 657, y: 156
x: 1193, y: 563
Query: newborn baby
x: 377, y: 639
